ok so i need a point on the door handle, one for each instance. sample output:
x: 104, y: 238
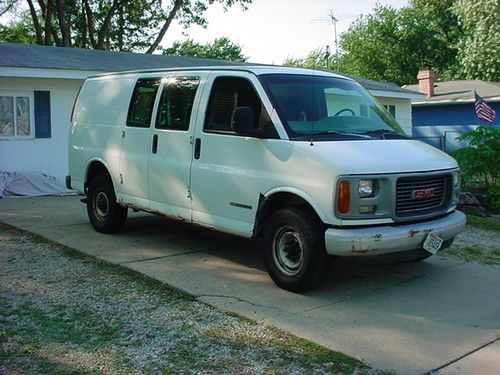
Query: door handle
x: 154, y: 148
x: 197, y: 148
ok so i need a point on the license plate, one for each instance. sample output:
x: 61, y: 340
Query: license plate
x: 433, y: 243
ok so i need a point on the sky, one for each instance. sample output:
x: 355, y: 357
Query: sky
x: 272, y: 30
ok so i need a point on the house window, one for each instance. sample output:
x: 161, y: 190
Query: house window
x: 16, y: 119
x: 391, y: 108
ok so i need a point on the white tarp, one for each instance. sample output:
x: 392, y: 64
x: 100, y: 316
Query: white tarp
x: 30, y: 184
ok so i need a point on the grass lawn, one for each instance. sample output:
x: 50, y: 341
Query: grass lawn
x: 487, y: 223
x: 65, y: 313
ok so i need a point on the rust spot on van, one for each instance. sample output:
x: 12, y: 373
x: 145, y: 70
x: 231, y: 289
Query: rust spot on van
x: 377, y: 237
x: 412, y: 232
x: 361, y: 251
x: 355, y: 250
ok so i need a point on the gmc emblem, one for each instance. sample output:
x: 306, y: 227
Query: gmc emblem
x: 420, y: 194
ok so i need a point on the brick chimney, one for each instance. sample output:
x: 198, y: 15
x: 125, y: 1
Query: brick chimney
x: 426, y: 79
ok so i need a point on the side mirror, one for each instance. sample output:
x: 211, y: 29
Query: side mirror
x: 242, y: 122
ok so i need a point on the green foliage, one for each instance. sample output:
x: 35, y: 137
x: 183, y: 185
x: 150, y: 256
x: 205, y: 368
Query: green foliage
x: 392, y: 45
x: 478, y: 51
x: 220, y: 49
x: 316, y: 59
x: 486, y: 223
x: 479, y: 162
x: 458, y: 39
x: 18, y: 32
x: 123, y: 25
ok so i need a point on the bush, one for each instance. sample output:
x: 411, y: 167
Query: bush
x: 481, y: 160
x: 495, y: 199
x: 480, y: 163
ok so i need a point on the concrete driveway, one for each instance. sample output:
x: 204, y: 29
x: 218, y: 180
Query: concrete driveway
x: 441, y: 314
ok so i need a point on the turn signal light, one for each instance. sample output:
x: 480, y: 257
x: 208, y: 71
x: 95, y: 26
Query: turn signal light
x: 343, y: 197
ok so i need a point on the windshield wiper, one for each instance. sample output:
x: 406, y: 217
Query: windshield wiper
x: 383, y: 132
x: 342, y: 133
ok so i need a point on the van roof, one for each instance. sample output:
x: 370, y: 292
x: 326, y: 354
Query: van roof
x: 255, y: 69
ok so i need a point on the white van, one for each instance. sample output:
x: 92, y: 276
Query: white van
x: 306, y: 160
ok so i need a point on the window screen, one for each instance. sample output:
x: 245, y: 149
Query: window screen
x: 141, y: 104
x: 176, y: 103
x: 229, y: 93
x: 15, y: 116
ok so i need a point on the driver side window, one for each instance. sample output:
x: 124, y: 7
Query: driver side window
x: 227, y: 94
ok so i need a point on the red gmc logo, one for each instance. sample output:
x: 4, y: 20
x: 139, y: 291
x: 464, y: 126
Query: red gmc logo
x: 418, y: 195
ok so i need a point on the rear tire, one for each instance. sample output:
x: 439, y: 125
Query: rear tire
x: 105, y: 215
x: 294, y: 249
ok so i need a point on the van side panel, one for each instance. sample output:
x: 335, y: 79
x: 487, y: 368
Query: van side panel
x: 104, y: 101
x: 96, y: 131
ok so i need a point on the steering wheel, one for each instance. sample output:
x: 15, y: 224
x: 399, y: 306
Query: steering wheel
x: 345, y: 110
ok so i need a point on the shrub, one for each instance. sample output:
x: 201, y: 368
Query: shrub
x: 481, y: 160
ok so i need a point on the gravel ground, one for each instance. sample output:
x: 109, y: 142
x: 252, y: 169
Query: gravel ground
x: 61, y: 312
x: 476, y: 244
x: 471, y: 236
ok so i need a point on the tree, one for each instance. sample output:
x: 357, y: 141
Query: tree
x: 220, y: 49
x: 478, y: 52
x: 112, y: 24
x: 18, y: 32
x: 316, y: 59
x: 392, y: 45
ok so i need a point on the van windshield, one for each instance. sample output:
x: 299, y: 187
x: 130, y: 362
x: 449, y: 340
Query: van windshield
x: 319, y: 107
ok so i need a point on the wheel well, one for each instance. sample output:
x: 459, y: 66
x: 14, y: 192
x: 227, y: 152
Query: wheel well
x: 96, y: 168
x: 269, y: 205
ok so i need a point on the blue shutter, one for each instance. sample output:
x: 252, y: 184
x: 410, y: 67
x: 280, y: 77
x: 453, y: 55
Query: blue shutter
x: 42, y: 114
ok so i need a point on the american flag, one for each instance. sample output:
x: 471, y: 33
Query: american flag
x: 483, y: 110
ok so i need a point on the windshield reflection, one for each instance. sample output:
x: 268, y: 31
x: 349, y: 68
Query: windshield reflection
x: 320, y: 106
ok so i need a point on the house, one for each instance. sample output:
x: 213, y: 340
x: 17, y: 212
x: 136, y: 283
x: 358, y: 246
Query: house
x: 448, y: 109
x: 41, y: 83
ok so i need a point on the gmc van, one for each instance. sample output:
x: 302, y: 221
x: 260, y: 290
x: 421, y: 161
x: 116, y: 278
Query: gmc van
x: 305, y: 160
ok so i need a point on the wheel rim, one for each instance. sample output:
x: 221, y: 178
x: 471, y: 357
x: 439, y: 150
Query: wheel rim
x: 288, y: 251
x: 101, y: 206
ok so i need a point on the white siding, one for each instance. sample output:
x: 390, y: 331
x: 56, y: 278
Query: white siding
x: 403, y: 111
x: 46, y: 155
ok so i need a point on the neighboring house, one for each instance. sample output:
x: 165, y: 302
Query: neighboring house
x: 448, y: 109
x: 38, y: 86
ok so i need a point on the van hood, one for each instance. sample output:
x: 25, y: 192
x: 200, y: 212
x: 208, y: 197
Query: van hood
x: 379, y: 156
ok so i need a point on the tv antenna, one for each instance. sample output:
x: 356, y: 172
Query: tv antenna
x: 334, y: 23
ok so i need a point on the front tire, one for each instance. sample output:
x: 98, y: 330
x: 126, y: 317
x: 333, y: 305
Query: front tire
x: 294, y: 249
x: 105, y: 215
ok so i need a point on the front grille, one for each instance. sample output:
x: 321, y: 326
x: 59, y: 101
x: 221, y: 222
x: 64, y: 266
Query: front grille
x: 422, y: 195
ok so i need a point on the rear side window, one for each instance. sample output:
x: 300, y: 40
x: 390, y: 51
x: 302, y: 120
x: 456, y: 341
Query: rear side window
x: 229, y: 93
x: 141, y: 104
x: 176, y: 103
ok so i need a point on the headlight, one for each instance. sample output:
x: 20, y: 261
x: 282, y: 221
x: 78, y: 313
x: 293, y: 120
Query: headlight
x: 365, y: 188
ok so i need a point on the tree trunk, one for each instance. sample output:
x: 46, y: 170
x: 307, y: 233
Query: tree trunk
x: 36, y: 24
x: 166, y: 25
x: 47, y: 15
x: 121, y: 26
x: 83, y: 41
x: 103, y: 33
x: 64, y: 26
x: 47, y: 10
x: 89, y: 22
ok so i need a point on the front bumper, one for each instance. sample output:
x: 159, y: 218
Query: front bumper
x: 391, y: 238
